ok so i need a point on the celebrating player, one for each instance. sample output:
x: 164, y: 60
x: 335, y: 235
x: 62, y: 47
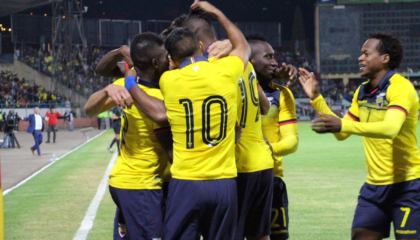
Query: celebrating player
x: 138, y: 172
x: 279, y: 125
x: 384, y: 112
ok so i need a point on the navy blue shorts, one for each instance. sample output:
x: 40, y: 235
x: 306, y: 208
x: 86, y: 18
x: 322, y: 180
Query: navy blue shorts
x: 379, y: 205
x: 116, y: 127
x: 255, y: 193
x: 139, y: 213
x: 279, y: 211
x: 201, y: 208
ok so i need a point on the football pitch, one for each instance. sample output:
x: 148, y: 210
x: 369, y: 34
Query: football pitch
x: 323, y: 179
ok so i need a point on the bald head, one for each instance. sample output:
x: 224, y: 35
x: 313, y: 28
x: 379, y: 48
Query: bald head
x: 36, y: 110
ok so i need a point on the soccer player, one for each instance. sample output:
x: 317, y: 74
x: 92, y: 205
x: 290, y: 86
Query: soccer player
x: 279, y: 125
x: 384, y: 112
x: 116, y: 125
x: 136, y: 179
x: 202, y: 196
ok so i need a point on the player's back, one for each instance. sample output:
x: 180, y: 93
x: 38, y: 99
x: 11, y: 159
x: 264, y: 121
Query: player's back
x: 141, y: 161
x: 252, y: 153
x: 201, y: 101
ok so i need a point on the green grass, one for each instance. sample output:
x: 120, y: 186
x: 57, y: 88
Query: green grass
x: 323, y: 179
x: 53, y: 204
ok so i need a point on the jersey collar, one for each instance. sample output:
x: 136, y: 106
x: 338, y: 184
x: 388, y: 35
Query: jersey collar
x: 382, y: 84
x: 147, y: 83
x: 193, y: 60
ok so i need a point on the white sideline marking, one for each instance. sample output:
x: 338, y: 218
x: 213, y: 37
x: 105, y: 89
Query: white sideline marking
x: 42, y: 169
x: 87, y: 222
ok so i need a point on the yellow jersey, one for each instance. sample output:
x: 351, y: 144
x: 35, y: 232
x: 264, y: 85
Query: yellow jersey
x: 280, y: 125
x: 252, y: 152
x: 201, y: 99
x: 388, y: 161
x: 141, y: 161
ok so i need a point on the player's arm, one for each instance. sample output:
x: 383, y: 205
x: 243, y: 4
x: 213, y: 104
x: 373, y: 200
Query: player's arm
x: 154, y: 108
x: 264, y: 103
x: 289, y: 139
x: 239, y: 44
x: 107, y: 98
x: 400, y: 100
x: 164, y: 137
x: 114, y: 116
x: 109, y: 65
x: 310, y: 86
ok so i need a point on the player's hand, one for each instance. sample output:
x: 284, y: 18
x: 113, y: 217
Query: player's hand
x: 125, y: 53
x: 238, y: 133
x: 206, y: 7
x: 326, y: 124
x: 286, y: 72
x: 309, y: 83
x: 120, y: 95
x: 220, y: 49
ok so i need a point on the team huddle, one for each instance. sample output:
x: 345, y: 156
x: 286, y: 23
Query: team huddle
x: 204, y: 130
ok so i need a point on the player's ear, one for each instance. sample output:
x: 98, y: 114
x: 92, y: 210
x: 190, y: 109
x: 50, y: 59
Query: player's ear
x: 155, y: 63
x: 201, y: 46
x: 385, y: 58
x: 172, y: 64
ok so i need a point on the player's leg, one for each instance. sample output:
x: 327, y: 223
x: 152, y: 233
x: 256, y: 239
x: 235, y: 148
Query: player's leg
x: 279, y: 211
x: 406, y: 210
x: 258, y: 217
x: 119, y: 223
x: 38, y: 141
x: 220, y: 217
x: 372, y: 218
x: 48, y: 133
x: 54, y: 132
x: 183, y: 209
x: 142, y: 210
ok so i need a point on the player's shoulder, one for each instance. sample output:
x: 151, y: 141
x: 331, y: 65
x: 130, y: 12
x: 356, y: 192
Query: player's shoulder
x: 400, y: 82
x: 285, y: 92
x: 119, y: 82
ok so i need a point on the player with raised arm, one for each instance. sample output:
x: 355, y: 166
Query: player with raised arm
x: 279, y: 125
x: 202, y: 196
x: 138, y: 172
x: 384, y: 112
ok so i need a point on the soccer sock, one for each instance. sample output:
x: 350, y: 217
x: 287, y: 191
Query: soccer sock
x: 118, y: 144
x: 112, y: 143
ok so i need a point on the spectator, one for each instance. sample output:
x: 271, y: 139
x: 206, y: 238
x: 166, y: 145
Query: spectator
x: 51, y: 117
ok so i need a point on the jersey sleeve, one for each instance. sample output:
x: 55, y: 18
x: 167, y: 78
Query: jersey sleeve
x: 156, y: 93
x: 288, y: 125
x: 399, y: 98
x: 287, y: 107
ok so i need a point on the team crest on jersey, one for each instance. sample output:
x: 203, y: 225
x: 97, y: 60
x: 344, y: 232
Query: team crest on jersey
x: 379, y: 100
x: 121, y: 229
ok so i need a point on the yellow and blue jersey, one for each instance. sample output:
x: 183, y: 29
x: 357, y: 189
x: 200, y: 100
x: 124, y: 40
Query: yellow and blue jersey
x: 141, y: 161
x: 252, y: 152
x: 201, y: 99
x: 389, y: 160
x: 280, y: 125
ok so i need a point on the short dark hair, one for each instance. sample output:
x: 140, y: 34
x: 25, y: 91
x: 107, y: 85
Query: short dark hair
x: 255, y: 37
x: 181, y: 44
x: 144, y: 47
x: 389, y: 44
x: 199, y: 24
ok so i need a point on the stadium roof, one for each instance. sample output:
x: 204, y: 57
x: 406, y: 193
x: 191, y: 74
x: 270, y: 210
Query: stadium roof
x: 8, y: 7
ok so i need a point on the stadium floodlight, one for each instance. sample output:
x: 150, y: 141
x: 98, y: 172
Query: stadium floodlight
x: 85, y: 9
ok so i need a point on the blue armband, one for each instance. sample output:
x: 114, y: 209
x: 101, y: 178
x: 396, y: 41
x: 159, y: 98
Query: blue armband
x: 129, y: 82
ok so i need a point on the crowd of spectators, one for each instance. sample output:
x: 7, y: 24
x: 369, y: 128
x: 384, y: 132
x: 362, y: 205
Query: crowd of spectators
x: 19, y: 93
x: 83, y: 80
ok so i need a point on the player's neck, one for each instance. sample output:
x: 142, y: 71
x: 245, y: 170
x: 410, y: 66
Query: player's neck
x: 377, y: 78
x: 148, y: 76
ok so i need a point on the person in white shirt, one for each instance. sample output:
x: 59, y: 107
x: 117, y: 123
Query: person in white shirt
x: 36, y: 126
